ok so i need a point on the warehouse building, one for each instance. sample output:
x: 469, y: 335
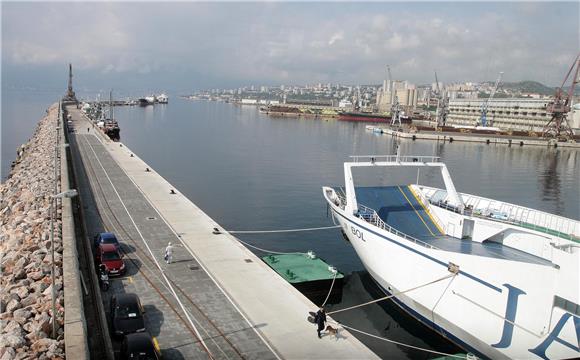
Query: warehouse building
x: 506, y: 114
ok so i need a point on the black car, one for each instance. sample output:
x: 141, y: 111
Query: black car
x: 139, y: 346
x: 126, y: 314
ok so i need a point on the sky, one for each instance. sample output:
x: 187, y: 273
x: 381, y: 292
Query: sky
x: 185, y: 46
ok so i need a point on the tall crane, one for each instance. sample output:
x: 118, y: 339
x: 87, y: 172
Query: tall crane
x: 485, y: 104
x: 558, y: 126
x: 395, y: 108
x: 442, y: 104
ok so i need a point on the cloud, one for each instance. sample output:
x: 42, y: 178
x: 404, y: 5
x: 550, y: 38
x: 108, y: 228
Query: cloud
x: 239, y: 43
x: 336, y: 37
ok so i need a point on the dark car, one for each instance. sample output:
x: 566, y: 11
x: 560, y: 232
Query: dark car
x: 126, y: 314
x: 139, y: 346
x: 110, y: 256
x: 106, y: 238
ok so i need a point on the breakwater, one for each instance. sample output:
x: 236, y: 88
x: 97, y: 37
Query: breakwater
x: 25, y: 250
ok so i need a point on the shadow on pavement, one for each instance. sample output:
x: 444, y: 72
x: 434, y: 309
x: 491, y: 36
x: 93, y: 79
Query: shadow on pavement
x: 153, y: 319
x: 171, y: 354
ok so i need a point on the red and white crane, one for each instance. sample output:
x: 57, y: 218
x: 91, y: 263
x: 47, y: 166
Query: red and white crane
x: 558, y: 127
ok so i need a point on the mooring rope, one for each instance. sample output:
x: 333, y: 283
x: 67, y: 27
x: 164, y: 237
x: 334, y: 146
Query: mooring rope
x: 269, y: 251
x: 281, y: 231
x: 397, y: 342
x: 392, y: 295
x: 331, y: 285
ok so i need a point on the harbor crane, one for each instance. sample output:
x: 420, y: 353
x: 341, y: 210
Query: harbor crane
x: 442, y: 104
x: 395, y: 108
x: 485, y: 104
x: 558, y: 127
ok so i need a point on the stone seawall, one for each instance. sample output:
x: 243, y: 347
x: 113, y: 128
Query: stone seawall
x: 25, y: 250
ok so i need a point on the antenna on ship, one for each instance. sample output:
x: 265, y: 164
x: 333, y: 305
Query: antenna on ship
x: 111, y: 108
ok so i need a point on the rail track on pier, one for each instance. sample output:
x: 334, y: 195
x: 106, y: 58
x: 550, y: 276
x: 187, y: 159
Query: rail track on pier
x: 214, y: 340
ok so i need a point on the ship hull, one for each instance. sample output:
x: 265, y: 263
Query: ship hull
x: 468, y: 308
x: 370, y: 118
x: 365, y: 117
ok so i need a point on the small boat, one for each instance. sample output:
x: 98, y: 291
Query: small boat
x: 309, y: 274
x: 147, y: 100
x: 162, y: 99
x: 109, y: 125
x: 499, y: 280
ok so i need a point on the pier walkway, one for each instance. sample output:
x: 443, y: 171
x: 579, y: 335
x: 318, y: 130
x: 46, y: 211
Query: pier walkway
x: 217, y: 299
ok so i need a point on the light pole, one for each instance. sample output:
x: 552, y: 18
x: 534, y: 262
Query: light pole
x: 66, y: 194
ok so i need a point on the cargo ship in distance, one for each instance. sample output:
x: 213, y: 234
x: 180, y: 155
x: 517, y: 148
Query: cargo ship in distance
x: 498, y: 279
x: 370, y: 117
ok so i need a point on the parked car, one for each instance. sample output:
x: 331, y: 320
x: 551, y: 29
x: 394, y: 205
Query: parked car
x: 111, y: 257
x: 106, y: 238
x: 139, y: 346
x: 126, y: 314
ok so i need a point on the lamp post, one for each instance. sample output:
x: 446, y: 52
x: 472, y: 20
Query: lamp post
x: 66, y: 194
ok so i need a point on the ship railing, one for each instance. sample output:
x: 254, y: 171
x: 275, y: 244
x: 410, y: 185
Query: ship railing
x: 370, y: 215
x: 394, y: 158
x: 524, y: 217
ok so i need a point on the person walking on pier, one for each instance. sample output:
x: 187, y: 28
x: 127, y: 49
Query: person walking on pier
x: 169, y: 253
x: 320, y: 319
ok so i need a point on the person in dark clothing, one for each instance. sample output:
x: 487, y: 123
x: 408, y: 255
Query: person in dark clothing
x: 320, y: 319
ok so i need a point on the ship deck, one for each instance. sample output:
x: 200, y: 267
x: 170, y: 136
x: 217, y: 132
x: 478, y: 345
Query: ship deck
x: 398, y: 207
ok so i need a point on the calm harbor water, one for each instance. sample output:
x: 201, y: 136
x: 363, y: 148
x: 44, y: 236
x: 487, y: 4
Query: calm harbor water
x: 249, y: 171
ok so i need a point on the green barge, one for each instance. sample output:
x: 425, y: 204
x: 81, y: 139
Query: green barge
x: 309, y: 274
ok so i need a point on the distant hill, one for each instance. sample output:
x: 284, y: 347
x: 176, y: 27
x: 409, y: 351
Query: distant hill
x: 528, y: 86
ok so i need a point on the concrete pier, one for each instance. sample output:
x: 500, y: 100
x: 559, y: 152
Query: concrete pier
x: 217, y: 299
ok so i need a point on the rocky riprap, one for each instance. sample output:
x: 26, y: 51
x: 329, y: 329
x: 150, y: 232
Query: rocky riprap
x: 25, y: 251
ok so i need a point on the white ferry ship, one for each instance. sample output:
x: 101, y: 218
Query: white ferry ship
x: 499, y: 280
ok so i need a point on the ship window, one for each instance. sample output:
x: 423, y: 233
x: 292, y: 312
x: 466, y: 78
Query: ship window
x: 567, y: 305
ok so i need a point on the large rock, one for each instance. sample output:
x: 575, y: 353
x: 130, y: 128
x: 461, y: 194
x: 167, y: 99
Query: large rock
x: 21, y: 315
x: 29, y: 300
x: 13, y: 328
x: 42, y: 322
x: 13, y: 305
x: 42, y: 345
x: 13, y: 341
x: 7, y: 353
x: 21, y: 291
x: 39, y: 287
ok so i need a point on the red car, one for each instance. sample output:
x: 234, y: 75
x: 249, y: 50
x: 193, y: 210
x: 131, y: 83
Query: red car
x: 108, y: 255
